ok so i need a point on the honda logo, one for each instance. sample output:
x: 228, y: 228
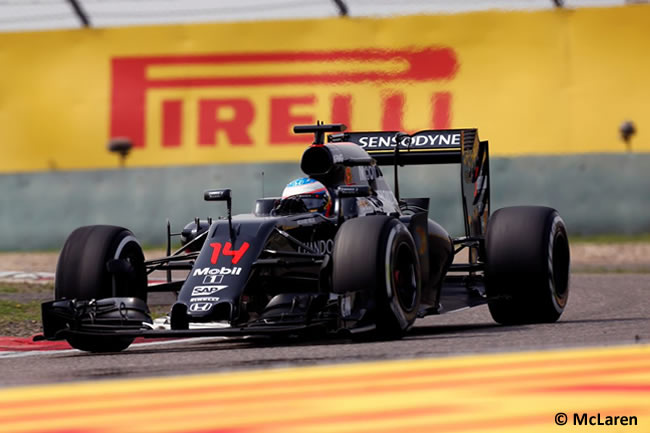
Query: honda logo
x: 200, y: 307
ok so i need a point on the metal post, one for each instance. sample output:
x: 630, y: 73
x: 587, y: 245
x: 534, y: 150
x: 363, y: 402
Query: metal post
x: 79, y: 11
x: 169, y: 248
x: 343, y: 8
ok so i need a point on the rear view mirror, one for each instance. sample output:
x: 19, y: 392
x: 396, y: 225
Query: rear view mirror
x: 222, y: 195
x: 217, y: 195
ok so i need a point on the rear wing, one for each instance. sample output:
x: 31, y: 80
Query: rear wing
x: 446, y: 146
x: 425, y: 147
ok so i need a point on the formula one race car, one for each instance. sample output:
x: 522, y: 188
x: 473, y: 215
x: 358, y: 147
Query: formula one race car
x: 349, y: 257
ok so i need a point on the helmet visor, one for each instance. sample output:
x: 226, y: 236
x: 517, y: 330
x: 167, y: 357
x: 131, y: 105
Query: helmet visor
x: 315, y: 202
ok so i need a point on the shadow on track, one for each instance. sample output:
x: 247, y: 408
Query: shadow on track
x: 422, y: 332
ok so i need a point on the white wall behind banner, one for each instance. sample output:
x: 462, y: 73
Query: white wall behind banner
x: 26, y: 15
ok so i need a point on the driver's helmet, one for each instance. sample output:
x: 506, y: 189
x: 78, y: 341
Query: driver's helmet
x: 311, y: 192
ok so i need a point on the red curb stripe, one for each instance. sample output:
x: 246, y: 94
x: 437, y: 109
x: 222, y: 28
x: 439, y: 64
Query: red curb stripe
x: 27, y: 344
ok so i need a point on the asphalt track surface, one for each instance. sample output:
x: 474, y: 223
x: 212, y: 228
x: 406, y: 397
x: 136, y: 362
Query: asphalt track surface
x: 603, y: 310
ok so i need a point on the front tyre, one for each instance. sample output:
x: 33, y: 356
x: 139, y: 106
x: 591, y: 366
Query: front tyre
x: 377, y: 254
x: 82, y: 273
x: 527, y: 265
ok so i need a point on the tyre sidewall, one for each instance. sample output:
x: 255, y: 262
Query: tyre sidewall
x: 82, y: 274
x: 99, y: 344
x: 524, y: 280
x: 81, y: 270
x: 363, y: 258
x: 394, y: 316
x: 558, y: 282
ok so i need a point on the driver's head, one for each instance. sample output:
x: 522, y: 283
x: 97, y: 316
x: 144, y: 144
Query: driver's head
x: 311, y: 192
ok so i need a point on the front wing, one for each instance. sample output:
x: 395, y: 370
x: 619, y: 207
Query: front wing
x: 129, y: 317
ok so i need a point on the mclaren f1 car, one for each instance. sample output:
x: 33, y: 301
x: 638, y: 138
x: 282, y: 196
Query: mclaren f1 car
x: 348, y: 258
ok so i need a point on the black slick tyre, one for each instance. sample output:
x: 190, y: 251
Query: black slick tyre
x: 527, y: 265
x: 377, y: 254
x: 82, y: 273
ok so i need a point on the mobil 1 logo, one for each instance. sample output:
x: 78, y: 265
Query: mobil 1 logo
x: 213, y: 279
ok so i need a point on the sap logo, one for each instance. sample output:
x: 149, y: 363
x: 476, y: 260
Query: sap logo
x: 206, y: 290
x: 205, y: 299
x: 200, y: 307
x: 216, y: 271
x: 321, y: 247
x: 213, y: 279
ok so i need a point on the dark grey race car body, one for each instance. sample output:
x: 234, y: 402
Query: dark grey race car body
x: 376, y: 263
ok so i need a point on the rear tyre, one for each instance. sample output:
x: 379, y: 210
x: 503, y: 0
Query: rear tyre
x: 527, y: 265
x: 377, y: 254
x: 82, y: 273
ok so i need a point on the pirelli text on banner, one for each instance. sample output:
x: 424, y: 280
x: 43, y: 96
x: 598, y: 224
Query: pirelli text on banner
x: 209, y: 83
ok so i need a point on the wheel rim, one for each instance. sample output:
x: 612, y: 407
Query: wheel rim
x: 131, y: 284
x: 404, y: 278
